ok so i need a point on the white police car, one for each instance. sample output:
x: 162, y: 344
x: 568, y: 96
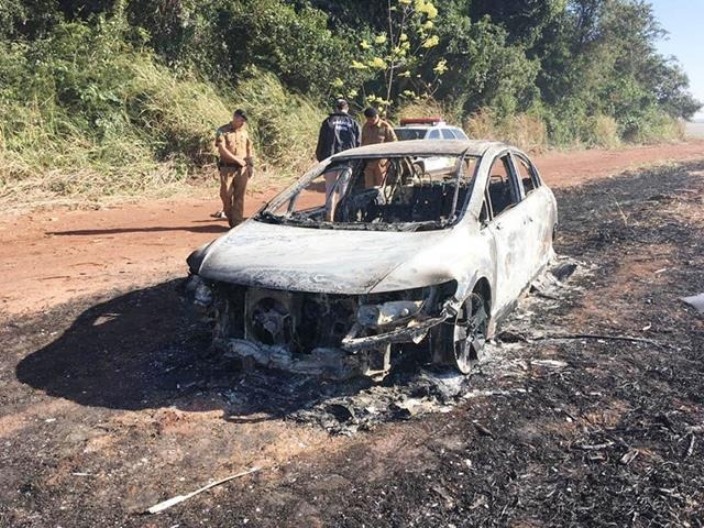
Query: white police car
x: 429, y: 128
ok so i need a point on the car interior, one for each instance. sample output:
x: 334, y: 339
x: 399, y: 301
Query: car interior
x: 408, y: 194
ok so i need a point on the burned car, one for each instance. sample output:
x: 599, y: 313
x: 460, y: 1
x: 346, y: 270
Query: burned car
x: 336, y: 278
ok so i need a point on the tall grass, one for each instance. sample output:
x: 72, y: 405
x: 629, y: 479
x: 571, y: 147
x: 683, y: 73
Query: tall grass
x: 525, y: 130
x: 284, y: 125
x: 600, y: 131
x: 658, y: 128
x: 142, y: 130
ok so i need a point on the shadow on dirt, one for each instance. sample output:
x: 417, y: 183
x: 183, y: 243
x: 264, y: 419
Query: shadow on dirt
x: 213, y: 228
x: 141, y: 350
x: 128, y: 353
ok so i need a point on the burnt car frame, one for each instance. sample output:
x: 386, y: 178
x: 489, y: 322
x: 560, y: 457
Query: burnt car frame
x: 336, y: 279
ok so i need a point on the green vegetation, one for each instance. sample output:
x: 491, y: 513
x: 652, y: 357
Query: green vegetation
x: 121, y: 97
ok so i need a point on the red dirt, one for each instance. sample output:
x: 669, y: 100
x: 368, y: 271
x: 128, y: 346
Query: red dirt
x: 50, y: 257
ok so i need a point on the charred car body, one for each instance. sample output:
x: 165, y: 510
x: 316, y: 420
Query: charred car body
x: 337, y: 279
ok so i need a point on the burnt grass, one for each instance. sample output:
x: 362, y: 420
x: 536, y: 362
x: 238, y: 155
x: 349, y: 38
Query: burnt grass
x: 591, y: 413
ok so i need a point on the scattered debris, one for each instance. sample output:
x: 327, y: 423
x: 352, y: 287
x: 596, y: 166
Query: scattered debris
x: 690, y: 448
x: 548, y: 363
x: 596, y: 336
x: 594, y: 447
x: 483, y: 430
x: 629, y: 457
x: 696, y: 302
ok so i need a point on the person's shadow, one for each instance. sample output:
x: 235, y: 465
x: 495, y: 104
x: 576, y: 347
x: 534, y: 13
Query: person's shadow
x: 215, y: 229
x: 143, y: 350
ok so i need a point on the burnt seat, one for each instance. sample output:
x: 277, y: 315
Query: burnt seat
x: 427, y: 202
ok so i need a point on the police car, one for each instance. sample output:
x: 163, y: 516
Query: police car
x: 429, y: 128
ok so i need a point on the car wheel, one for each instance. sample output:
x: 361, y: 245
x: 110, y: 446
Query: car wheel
x: 469, y: 333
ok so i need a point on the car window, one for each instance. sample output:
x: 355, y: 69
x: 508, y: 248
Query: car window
x: 501, y: 195
x: 409, y: 197
x: 447, y: 134
x: 526, y: 174
x: 434, y: 134
x: 409, y: 133
x: 459, y: 133
x: 319, y: 197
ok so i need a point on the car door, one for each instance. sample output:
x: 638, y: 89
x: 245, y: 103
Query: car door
x: 538, y: 226
x: 507, y: 226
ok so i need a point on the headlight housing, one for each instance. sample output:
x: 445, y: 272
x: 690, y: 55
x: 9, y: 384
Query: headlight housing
x: 385, y: 310
x: 388, y: 313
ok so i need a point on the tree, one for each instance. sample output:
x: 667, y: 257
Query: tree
x: 483, y: 70
x: 524, y: 20
x: 395, y: 56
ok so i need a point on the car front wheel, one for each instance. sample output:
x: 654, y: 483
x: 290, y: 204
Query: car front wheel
x: 469, y: 333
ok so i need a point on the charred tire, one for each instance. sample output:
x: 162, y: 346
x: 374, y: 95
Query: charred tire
x: 469, y: 332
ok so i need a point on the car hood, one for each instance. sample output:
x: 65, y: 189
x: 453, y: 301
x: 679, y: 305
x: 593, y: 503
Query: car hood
x: 318, y: 260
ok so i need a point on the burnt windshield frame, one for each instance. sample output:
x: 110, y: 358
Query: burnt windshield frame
x: 354, y: 174
x: 458, y: 172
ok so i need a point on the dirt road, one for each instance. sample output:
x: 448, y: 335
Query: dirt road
x: 589, y: 411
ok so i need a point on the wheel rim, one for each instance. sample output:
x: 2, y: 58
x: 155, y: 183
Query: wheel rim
x: 469, y: 335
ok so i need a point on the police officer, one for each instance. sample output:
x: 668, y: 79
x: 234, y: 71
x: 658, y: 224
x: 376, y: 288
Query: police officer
x: 236, y: 165
x: 375, y: 130
x: 338, y: 132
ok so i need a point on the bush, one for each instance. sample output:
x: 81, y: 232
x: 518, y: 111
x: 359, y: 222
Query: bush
x: 600, y: 131
x: 656, y: 128
x: 284, y: 125
x: 525, y: 130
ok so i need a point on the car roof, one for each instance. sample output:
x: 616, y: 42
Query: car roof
x: 420, y: 147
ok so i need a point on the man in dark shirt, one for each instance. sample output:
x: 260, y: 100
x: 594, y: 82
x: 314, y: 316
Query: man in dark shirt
x: 340, y: 131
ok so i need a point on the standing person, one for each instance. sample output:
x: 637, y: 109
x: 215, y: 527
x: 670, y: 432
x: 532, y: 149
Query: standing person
x: 376, y: 130
x: 236, y: 165
x: 338, y: 132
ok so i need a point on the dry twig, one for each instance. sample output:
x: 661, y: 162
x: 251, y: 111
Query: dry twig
x: 598, y: 336
x: 690, y: 449
x: 483, y: 430
x: 157, y: 508
x: 594, y: 447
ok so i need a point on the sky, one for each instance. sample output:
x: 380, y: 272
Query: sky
x: 683, y: 20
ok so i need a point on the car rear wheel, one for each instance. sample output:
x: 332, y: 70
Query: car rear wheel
x: 469, y: 333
